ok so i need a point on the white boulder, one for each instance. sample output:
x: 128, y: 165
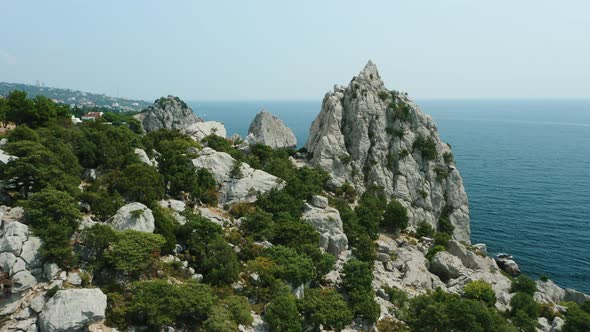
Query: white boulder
x: 135, y: 216
x: 73, y: 310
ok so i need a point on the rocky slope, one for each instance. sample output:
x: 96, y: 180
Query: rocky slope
x: 368, y: 135
x: 269, y: 130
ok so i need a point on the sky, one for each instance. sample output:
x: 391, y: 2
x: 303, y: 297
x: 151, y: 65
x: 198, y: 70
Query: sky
x: 297, y: 50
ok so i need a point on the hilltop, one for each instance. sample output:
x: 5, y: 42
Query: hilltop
x: 76, y: 98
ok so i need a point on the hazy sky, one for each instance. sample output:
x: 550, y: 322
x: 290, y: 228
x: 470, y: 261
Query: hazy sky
x: 228, y: 50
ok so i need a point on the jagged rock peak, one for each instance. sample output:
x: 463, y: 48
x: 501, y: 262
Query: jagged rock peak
x: 269, y: 130
x: 167, y: 113
x: 367, y: 135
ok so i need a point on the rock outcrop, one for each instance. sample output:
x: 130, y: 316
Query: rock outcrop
x: 269, y: 130
x: 167, y: 113
x: 135, y: 216
x: 200, y: 130
x: 238, y: 181
x: 326, y: 221
x: 20, y: 257
x: 73, y: 310
x: 367, y: 135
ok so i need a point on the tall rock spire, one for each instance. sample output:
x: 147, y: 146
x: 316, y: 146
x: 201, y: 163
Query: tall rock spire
x: 367, y: 135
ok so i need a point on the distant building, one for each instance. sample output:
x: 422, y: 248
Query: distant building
x: 91, y: 116
x: 76, y: 120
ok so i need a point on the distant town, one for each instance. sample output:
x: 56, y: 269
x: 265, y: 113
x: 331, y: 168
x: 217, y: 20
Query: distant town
x: 76, y: 98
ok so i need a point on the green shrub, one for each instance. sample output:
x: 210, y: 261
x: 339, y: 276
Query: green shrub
x: 440, y: 311
x: 544, y: 278
x: 397, y: 296
x: 481, y: 291
x: 220, y: 320
x: 219, y: 264
x: 441, y: 239
x: 282, y: 314
x: 239, y: 308
x: 166, y: 226
x: 291, y: 266
x: 424, y: 229
x: 54, y: 216
x: 445, y: 225
x: 134, y: 252
x: 395, y: 216
x: 441, y: 173
x: 357, y: 281
x: 576, y: 320
x: 383, y: 95
x: 96, y: 240
x: 259, y: 225
x: 325, y: 307
x: 141, y: 183
x: 426, y: 146
x: 157, y: 303
x: 524, y: 284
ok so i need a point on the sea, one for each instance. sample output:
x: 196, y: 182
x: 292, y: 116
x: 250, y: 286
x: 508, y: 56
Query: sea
x: 525, y: 166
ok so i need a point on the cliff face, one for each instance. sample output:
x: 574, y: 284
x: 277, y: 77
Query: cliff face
x: 269, y: 130
x: 367, y: 135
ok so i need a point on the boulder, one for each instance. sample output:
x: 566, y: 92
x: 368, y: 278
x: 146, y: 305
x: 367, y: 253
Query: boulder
x: 365, y: 135
x: 269, y: 130
x: 5, y: 157
x: 238, y: 181
x: 200, y: 130
x: 143, y: 157
x: 506, y: 263
x: 319, y: 201
x: 73, y: 310
x: 469, y: 258
x: 572, y: 295
x: 22, y: 280
x: 328, y: 223
x: 167, y: 113
x: 549, y: 292
x: 447, y: 266
x: 557, y: 324
x: 30, y: 252
x: 135, y: 216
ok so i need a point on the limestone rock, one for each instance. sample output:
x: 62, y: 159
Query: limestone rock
x: 73, y: 310
x: 22, y: 280
x: 319, y: 201
x: 168, y: 113
x: 469, y: 258
x: 200, y: 130
x: 557, y: 324
x: 134, y: 216
x: 446, y: 266
x: 328, y: 223
x: 549, y: 292
x: 367, y: 135
x: 5, y: 157
x: 238, y: 181
x: 143, y: 157
x: 269, y: 130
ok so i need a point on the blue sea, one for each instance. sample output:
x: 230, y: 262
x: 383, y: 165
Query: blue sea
x: 525, y: 165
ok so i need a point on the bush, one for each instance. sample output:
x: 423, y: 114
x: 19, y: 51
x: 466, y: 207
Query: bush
x: 239, y: 308
x: 357, y: 281
x: 426, y: 146
x: 157, y: 303
x: 54, y: 216
x: 290, y: 266
x: 523, y: 284
x: 424, y: 229
x: 220, y: 320
x: 441, y: 239
x: 219, y: 264
x: 141, y: 183
x: 259, y: 225
x: 524, y: 302
x: 370, y: 210
x: 96, y: 240
x: 445, y: 225
x: 166, y: 226
x: 395, y: 216
x: 481, y: 291
x: 577, y: 320
x: 325, y: 307
x: 281, y: 313
x: 135, y: 253
x: 440, y: 311
x: 396, y: 296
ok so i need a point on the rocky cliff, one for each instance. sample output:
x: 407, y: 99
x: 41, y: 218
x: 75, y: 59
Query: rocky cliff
x: 168, y: 113
x: 368, y: 135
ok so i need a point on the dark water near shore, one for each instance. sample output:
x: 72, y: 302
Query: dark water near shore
x: 525, y: 164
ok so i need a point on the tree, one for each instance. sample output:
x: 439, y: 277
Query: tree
x: 166, y: 226
x: 281, y: 313
x: 523, y: 305
x: 54, y: 216
x: 239, y: 307
x: 3, y: 112
x: 19, y: 109
x: 159, y: 303
x: 357, y: 282
x: 96, y: 240
x: 259, y: 225
x: 481, y: 291
x: 325, y: 307
x: 291, y: 266
x: 524, y: 284
x: 220, y: 264
x: 175, y: 166
x: 370, y: 210
x: 141, y: 183
x: 135, y: 253
x: 395, y: 216
x: 220, y: 320
x: 577, y: 319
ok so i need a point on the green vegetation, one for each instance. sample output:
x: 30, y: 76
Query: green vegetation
x: 481, y: 291
x: 395, y: 216
x: 357, y: 281
x: 325, y: 307
x: 426, y: 146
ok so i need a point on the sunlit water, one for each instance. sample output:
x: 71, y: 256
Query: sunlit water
x: 525, y: 164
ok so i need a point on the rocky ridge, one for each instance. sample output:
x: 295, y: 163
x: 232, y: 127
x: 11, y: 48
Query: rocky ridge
x: 367, y: 135
x: 167, y: 113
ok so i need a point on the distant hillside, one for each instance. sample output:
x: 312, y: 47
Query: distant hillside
x: 76, y: 98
